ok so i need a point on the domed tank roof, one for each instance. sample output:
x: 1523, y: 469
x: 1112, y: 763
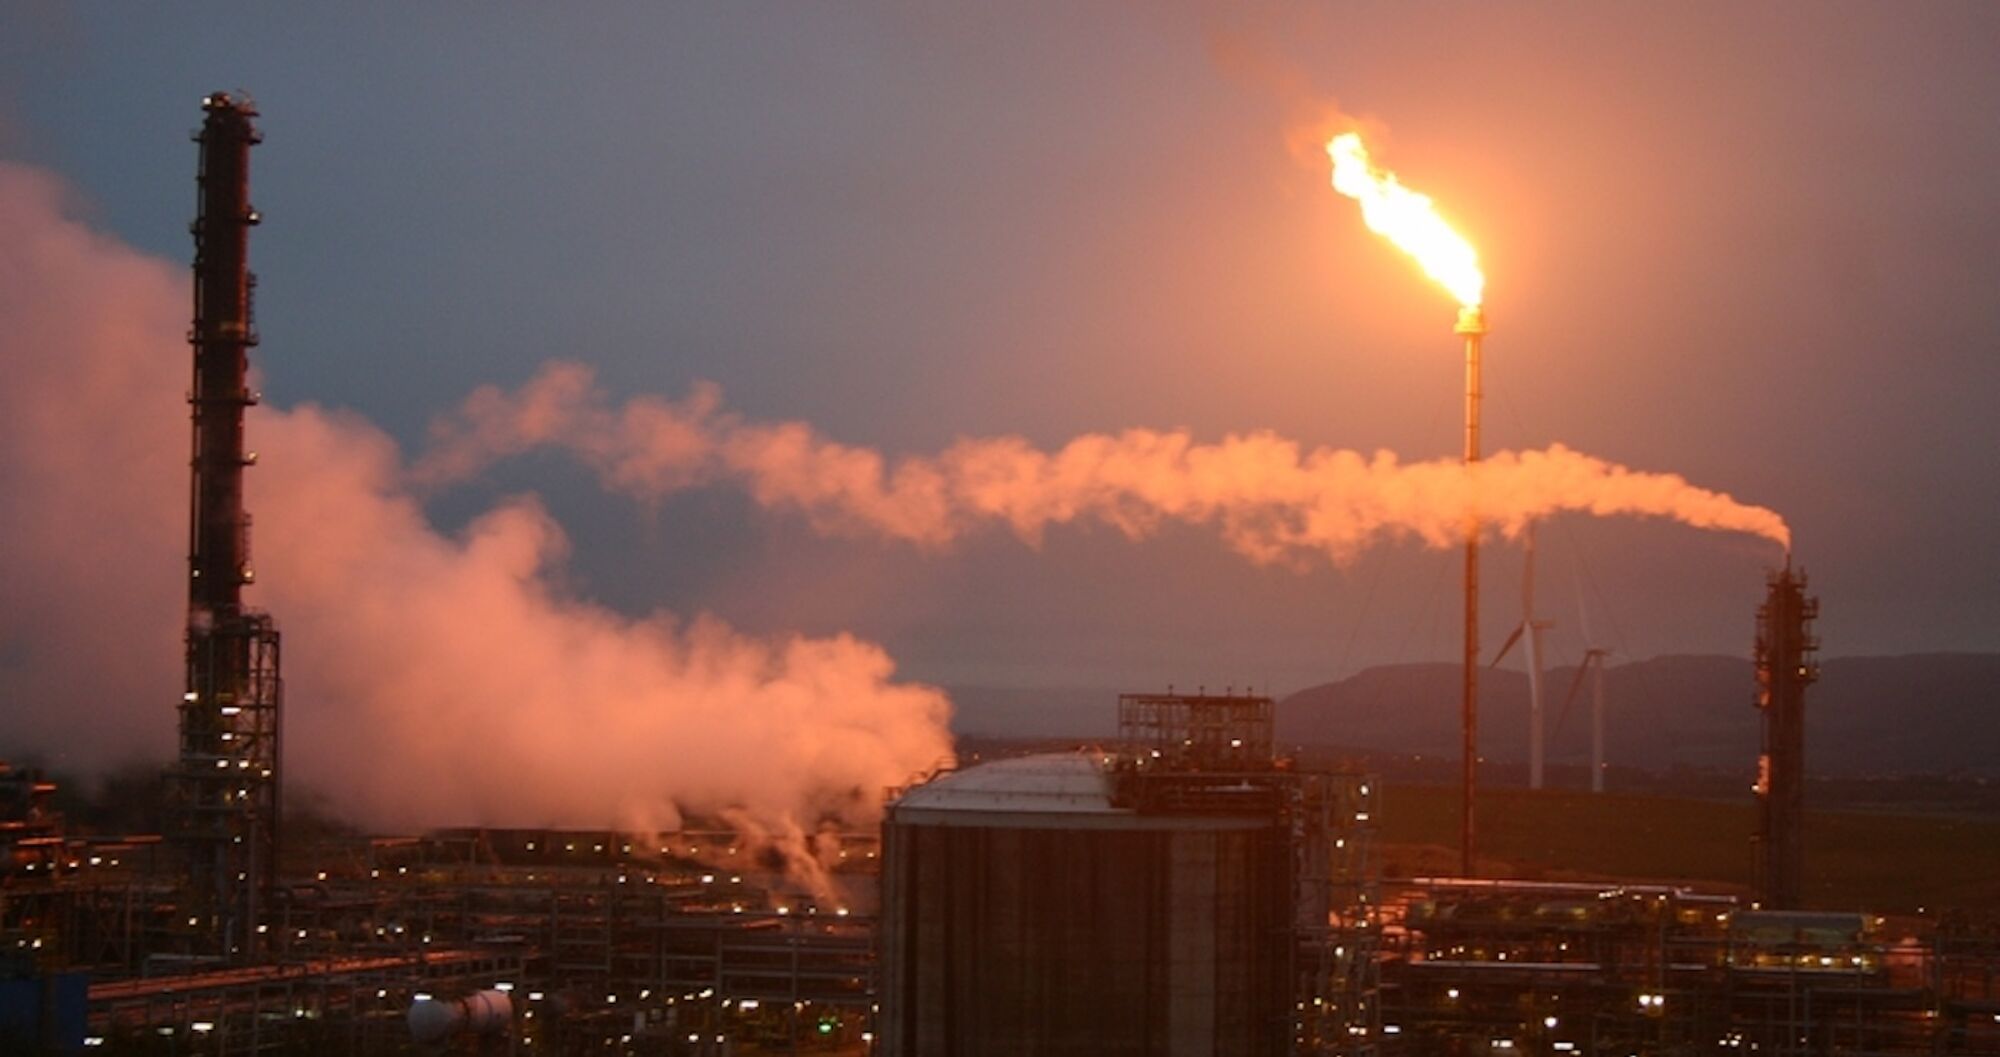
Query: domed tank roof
x: 1050, y: 782
x: 1052, y: 790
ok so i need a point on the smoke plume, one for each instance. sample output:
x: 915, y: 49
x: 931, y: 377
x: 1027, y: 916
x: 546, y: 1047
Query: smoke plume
x: 430, y: 679
x: 1243, y: 43
x: 1270, y: 499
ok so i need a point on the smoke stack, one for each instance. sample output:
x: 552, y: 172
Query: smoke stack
x: 1785, y: 667
x: 227, y: 777
x: 1472, y: 327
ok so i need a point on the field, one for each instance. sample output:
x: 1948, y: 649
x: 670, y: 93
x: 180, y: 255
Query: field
x: 1880, y: 862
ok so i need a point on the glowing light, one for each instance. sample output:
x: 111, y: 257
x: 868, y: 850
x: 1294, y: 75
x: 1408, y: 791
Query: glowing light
x: 1408, y: 219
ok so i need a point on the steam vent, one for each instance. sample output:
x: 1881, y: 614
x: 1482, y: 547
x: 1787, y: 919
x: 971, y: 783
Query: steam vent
x: 1144, y: 902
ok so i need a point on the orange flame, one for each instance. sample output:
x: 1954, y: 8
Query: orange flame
x: 1407, y: 219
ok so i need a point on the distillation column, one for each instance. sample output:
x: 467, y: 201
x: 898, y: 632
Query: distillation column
x: 1785, y: 667
x: 227, y: 776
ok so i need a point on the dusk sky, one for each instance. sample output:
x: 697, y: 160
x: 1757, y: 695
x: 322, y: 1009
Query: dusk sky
x: 1754, y: 246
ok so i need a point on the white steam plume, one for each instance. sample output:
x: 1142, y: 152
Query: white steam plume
x: 1271, y: 500
x: 430, y: 680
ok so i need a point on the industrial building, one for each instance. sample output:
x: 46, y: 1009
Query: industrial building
x: 1484, y: 966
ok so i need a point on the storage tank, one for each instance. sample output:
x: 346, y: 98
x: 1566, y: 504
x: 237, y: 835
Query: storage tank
x: 1033, y: 907
x: 480, y: 1013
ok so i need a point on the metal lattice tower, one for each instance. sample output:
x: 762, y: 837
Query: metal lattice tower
x: 1785, y: 667
x: 227, y: 777
x: 1207, y: 731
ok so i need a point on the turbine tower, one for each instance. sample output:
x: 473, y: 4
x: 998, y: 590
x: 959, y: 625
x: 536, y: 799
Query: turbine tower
x: 1531, y: 629
x: 1593, y: 666
x: 1594, y: 659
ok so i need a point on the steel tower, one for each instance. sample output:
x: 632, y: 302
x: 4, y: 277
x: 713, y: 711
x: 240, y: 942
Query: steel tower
x: 1785, y: 667
x: 227, y: 778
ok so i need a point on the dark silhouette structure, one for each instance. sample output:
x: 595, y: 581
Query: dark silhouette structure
x: 1190, y: 895
x: 227, y: 777
x: 1785, y: 667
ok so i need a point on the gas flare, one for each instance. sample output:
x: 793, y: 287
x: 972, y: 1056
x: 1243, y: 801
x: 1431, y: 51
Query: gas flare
x: 1407, y: 218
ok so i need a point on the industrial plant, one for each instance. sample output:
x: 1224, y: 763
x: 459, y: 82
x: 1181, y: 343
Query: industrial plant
x: 1187, y: 889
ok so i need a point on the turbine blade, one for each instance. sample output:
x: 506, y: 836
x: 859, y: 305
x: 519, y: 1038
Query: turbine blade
x: 1577, y: 683
x: 1509, y: 644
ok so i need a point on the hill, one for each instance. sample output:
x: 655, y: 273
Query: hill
x: 1855, y: 860
x: 1913, y: 714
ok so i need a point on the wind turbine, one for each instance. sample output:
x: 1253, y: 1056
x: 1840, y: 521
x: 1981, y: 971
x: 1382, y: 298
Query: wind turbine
x: 1593, y: 664
x: 1532, y: 629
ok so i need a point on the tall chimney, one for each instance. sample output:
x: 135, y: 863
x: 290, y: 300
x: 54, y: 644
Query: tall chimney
x: 1785, y: 667
x: 227, y: 778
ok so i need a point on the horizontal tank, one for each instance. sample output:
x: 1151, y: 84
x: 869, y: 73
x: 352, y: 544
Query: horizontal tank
x: 487, y: 1012
x: 1029, y: 909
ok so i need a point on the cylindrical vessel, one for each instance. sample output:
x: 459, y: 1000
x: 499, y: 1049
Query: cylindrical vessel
x: 1024, y: 914
x: 486, y: 1012
x: 218, y: 548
